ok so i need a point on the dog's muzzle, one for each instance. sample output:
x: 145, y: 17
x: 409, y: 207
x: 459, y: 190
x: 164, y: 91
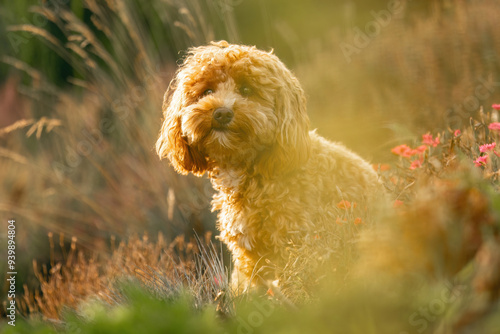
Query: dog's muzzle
x: 222, y: 117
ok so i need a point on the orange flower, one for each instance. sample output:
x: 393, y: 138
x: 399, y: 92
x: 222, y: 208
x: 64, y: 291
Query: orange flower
x: 317, y: 237
x: 385, y: 167
x: 270, y: 292
x: 358, y: 221
x: 340, y: 221
x: 346, y: 205
x: 381, y: 167
x: 398, y: 203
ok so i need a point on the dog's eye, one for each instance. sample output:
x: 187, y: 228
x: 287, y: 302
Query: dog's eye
x: 246, y: 91
x: 207, y: 92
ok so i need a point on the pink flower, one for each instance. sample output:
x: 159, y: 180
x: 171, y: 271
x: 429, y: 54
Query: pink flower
x: 218, y: 280
x: 496, y: 106
x: 402, y: 150
x: 481, y: 161
x: 428, y: 140
x: 421, y: 149
x: 416, y: 164
x: 487, y: 147
x: 457, y: 133
x: 494, y: 126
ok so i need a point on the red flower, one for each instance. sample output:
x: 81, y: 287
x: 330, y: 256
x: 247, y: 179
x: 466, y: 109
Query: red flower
x: 481, y: 161
x: 496, y: 106
x: 494, y: 126
x: 487, y: 147
x: 457, y: 133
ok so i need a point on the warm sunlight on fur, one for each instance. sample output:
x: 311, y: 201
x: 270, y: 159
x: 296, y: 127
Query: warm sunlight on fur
x: 239, y: 114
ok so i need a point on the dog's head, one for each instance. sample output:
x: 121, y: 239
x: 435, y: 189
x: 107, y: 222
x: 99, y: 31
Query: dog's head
x: 234, y: 106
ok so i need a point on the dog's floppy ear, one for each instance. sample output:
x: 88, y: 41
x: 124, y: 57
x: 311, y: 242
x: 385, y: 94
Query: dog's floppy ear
x: 292, y: 145
x: 171, y: 143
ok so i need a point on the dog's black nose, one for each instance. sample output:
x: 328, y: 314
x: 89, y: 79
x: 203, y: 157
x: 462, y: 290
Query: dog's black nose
x: 223, y: 115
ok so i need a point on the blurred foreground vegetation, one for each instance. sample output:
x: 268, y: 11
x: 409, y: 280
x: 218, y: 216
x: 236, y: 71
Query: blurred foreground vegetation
x: 82, y: 86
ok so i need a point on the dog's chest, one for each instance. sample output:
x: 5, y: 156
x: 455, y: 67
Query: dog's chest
x: 235, y: 215
x: 229, y: 181
x: 257, y: 215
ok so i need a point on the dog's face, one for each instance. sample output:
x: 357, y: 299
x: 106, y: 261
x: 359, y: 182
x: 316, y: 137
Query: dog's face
x: 233, y: 106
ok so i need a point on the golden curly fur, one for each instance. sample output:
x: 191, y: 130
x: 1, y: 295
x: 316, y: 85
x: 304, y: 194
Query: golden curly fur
x: 239, y: 114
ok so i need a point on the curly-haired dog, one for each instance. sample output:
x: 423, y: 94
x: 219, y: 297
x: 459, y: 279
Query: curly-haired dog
x: 239, y: 114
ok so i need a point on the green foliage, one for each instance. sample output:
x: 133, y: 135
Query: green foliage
x: 27, y: 327
x: 142, y: 313
x: 387, y: 307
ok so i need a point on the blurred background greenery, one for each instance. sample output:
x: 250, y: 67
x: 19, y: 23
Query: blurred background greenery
x: 82, y: 84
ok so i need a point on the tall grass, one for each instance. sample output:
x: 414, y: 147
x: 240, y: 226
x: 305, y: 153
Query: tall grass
x: 87, y: 167
x: 166, y: 270
x: 419, y: 73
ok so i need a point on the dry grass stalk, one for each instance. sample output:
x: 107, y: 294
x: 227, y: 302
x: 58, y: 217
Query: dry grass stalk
x: 164, y: 268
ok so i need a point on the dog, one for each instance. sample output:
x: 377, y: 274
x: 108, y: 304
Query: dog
x: 238, y: 114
